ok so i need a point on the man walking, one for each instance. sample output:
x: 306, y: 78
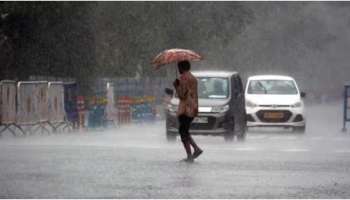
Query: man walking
x: 186, y: 89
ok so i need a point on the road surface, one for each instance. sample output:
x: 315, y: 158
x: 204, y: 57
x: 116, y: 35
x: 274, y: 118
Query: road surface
x: 137, y: 162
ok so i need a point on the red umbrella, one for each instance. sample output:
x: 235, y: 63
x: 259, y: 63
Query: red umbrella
x: 175, y: 55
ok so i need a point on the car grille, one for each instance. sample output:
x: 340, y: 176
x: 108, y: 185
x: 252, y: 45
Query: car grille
x: 275, y: 106
x: 286, y: 116
x: 204, y: 126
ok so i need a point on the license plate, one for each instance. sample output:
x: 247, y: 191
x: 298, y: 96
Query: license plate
x: 200, y: 120
x: 273, y: 115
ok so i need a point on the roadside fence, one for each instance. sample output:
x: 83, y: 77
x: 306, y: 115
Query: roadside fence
x: 8, y: 91
x: 346, y: 108
x: 29, y: 107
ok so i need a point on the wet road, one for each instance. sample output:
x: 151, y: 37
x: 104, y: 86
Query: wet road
x: 137, y: 162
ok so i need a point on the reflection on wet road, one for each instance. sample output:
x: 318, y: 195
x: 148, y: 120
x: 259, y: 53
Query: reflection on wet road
x: 137, y: 162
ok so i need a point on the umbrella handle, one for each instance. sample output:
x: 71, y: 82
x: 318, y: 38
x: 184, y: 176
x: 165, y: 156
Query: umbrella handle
x: 177, y: 71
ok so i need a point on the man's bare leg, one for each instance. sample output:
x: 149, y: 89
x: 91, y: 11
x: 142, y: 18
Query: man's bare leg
x: 194, y: 144
x: 187, y: 147
x: 197, y: 151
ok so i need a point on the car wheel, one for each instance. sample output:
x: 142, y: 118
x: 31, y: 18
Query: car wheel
x: 171, y: 137
x: 229, y: 136
x: 300, y: 129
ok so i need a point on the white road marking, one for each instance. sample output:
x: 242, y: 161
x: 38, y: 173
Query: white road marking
x: 295, y: 150
x: 283, y: 138
x: 291, y: 138
x: 245, y: 149
x: 215, y: 148
x: 317, y: 138
x: 342, y: 151
x: 256, y: 137
x: 341, y: 138
x: 143, y: 147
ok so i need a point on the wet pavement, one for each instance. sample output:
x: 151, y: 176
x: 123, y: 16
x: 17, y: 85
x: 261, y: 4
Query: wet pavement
x: 136, y: 161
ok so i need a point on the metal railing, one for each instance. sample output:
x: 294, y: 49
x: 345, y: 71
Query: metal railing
x: 346, y: 113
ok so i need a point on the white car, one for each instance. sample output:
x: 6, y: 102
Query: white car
x: 274, y: 101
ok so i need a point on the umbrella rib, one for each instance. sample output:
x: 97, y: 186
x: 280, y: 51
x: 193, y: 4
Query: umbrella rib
x: 175, y: 55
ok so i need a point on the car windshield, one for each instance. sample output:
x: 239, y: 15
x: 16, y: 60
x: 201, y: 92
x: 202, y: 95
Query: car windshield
x: 213, y: 88
x: 283, y: 87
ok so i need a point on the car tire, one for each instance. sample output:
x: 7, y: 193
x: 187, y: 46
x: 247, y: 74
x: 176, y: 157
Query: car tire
x: 171, y: 137
x: 229, y: 136
x: 300, y: 129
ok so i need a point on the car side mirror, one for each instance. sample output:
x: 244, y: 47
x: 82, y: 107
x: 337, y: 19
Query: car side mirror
x: 302, y: 94
x: 169, y: 91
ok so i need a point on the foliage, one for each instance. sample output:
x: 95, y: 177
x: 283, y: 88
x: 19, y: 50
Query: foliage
x: 48, y: 39
x: 107, y: 39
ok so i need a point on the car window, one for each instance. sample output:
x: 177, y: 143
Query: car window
x: 282, y: 87
x: 213, y: 88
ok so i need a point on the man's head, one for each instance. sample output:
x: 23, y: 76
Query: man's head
x: 184, y: 66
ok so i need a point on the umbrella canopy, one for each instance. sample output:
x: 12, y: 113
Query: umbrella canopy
x: 175, y: 55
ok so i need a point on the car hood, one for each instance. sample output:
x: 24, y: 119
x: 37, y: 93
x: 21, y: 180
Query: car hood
x: 263, y: 99
x: 204, y: 102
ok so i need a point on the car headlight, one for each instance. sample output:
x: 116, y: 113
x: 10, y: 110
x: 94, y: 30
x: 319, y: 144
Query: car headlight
x: 297, y: 105
x: 220, y: 109
x: 250, y: 104
x: 172, y: 108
